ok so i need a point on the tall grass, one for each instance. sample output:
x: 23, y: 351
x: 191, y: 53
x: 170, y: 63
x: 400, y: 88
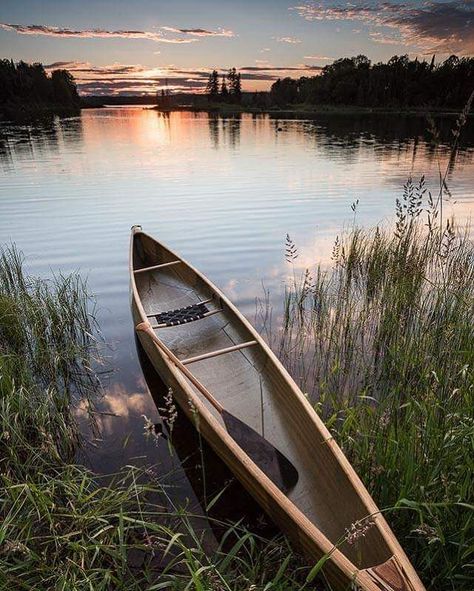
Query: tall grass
x: 383, y: 342
x: 62, y: 527
x: 46, y: 353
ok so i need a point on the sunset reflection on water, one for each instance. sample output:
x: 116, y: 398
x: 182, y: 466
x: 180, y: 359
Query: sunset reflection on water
x: 223, y: 192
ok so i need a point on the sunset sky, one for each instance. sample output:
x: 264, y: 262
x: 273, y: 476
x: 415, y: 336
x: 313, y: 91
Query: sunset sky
x: 134, y: 47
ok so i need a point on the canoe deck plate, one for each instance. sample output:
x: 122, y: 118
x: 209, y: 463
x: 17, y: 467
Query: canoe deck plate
x: 182, y: 315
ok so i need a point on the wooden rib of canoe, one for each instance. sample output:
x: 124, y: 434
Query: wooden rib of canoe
x: 221, y: 351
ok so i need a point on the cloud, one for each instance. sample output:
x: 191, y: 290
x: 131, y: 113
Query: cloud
x: 318, y: 57
x: 444, y: 27
x: 174, y: 40
x: 85, y: 68
x: 383, y: 39
x: 279, y: 68
x: 135, y: 79
x: 201, y: 32
x: 291, y: 40
x: 157, y: 37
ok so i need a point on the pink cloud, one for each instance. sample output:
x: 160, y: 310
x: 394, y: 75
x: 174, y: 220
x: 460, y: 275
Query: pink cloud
x: 192, y: 35
x: 201, y: 32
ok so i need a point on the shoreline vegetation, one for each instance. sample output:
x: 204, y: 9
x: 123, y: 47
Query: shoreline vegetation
x: 307, y: 110
x: 347, y: 86
x: 27, y: 91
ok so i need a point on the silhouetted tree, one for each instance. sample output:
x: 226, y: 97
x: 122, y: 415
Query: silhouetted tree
x: 64, y: 88
x: 224, y: 90
x: 163, y: 99
x: 27, y: 88
x: 285, y: 91
x: 212, y: 88
x: 237, y: 89
x: 235, y: 85
x: 399, y: 83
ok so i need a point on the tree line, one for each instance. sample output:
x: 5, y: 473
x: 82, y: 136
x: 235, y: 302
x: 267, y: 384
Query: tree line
x: 400, y: 82
x: 26, y: 88
x: 226, y: 88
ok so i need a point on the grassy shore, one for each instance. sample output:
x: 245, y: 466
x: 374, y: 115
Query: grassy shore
x: 383, y: 343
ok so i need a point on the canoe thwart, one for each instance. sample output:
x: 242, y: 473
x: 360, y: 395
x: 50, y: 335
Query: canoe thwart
x: 218, y: 352
x: 153, y: 267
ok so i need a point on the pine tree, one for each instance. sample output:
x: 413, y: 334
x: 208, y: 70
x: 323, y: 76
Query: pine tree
x: 212, y: 87
x: 224, y: 90
x: 238, y: 88
x: 235, y: 85
x: 231, y: 79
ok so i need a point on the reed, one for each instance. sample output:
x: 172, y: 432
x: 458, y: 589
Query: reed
x: 382, y: 340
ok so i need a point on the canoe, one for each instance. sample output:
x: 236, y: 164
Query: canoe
x: 201, y: 345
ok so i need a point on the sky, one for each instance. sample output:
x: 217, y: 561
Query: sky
x: 141, y: 46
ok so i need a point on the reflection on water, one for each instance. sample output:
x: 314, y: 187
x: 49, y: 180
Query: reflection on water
x: 223, y: 192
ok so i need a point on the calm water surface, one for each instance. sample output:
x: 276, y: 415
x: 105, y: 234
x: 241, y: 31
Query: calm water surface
x: 223, y: 192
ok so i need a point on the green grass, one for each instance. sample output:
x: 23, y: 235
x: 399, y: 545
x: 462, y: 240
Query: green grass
x: 382, y: 341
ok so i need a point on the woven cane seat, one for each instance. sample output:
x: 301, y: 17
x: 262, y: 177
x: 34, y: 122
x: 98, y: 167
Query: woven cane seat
x: 182, y: 315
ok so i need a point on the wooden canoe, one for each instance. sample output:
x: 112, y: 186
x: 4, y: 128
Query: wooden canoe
x: 328, y: 512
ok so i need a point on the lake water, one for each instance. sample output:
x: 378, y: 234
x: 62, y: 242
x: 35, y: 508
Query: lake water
x: 223, y: 192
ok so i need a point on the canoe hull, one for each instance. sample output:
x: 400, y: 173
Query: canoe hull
x: 339, y: 570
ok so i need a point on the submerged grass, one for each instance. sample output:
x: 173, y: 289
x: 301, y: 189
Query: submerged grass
x: 383, y: 343
x: 62, y: 527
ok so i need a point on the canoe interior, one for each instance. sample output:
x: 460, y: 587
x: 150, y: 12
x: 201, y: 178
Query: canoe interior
x: 250, y: 386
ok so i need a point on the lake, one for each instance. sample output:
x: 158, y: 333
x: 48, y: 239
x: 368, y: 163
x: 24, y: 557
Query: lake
x: 222, y: 192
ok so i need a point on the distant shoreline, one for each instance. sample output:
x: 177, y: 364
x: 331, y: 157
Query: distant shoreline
x: 22, y: 113
x: 25, y: 113
x: 308, y: 110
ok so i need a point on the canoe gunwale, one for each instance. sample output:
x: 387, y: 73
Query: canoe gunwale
x: 339, y: 569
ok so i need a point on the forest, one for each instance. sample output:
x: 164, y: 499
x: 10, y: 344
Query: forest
x: 27, y: 89
x: 399, y: 83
